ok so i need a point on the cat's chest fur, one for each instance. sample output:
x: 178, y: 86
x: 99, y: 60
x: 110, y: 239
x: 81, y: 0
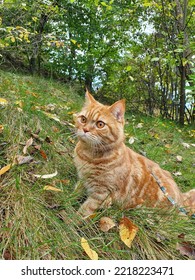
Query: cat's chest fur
x: 103, y: 170
x: 122, y: 172
x: 115, y: 171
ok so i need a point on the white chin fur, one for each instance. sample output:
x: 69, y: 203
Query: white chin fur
x: 88, y: 137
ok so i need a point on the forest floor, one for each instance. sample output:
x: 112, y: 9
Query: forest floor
x: 38, y: 218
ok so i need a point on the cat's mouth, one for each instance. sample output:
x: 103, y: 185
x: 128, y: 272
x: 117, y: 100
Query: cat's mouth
x: 87, y: 137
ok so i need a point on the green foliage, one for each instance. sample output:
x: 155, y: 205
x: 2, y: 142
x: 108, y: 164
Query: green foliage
x: 138, y: 50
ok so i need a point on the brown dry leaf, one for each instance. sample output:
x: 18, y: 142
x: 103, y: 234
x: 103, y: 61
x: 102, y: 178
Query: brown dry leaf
x: 91, y: 253
x: 23, y: 159
x: 37, y: 147
x: 43, y: 154
x: 186, y: 249
x: 127, y: 231
x: 5, y: 169
x: 28, y: 144
x: 55, y: 129
x: 51, y: 188
x: 63, y: 181
x: 106, y: 224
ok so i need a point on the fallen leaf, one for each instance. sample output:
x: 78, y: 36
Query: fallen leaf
x: 71, y: 140
x: 156, y: 136
x: 43, y: 154
x: 7, y: 255
x: 91, y: 253
x: 1, y: 128
x: 63, y: 181
x: 127, y: 231
x: 131, y: 140
x: 37, y: 147
x: 179, y: 158
x: 51, y: 188
x: 55, y: 129
x: 168, y: 146
x: 36, y: 136
x: 5, y: 169
x: 186, y: 145
x: 106, y: 224
x: 48, y: 140
x: 186, y: 249
x: 47, y: 176
x: 20, y: 103
x: 23, y: 159
x: 3, y: 102
x: 28, y: 144
x: 177, y: 173
x: 139, y: 125
x: 19, y: 110
x: 52, y: 116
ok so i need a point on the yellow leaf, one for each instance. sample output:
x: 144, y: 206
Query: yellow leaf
x: 5, y: 169
x: 12, y: 38
x: 3, y: 101
x: 73, y: 41
x: 52, y: 116
x: 91, y: 253
x: 156, y: 136
x: 1, y: 128
x: 127, y: 231
x: 34, y: 19
x: 71, y: 140
x: 20, y: 103
x: 50, y: 188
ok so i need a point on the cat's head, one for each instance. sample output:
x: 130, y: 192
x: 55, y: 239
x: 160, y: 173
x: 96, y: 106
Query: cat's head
x: 100, y: 126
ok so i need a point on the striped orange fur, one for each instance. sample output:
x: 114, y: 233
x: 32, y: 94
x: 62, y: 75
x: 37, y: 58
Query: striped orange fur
x: 113, y: 173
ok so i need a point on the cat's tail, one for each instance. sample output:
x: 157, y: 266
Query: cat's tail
x: 189, y: 200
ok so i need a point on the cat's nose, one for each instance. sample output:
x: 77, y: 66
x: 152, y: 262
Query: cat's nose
x: 85, y: 129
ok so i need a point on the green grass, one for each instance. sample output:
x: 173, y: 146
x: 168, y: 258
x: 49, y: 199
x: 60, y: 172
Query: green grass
x: 30, y: 225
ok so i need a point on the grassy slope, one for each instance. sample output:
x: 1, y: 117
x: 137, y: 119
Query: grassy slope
x: 29, y: 221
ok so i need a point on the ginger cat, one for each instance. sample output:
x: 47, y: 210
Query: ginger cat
x: 113, y: 173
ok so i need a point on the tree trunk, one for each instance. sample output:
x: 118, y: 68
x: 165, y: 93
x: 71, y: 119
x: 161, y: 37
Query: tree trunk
x: 35, y: 60
x: 181, y: 13
x: 182, y: 95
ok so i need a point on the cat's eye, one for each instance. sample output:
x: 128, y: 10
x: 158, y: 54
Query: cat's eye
x: 100, y: 124
x: 83, y: 119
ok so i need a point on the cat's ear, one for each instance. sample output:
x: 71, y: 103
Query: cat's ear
x: 89, y: 99
x: 118, y: 110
